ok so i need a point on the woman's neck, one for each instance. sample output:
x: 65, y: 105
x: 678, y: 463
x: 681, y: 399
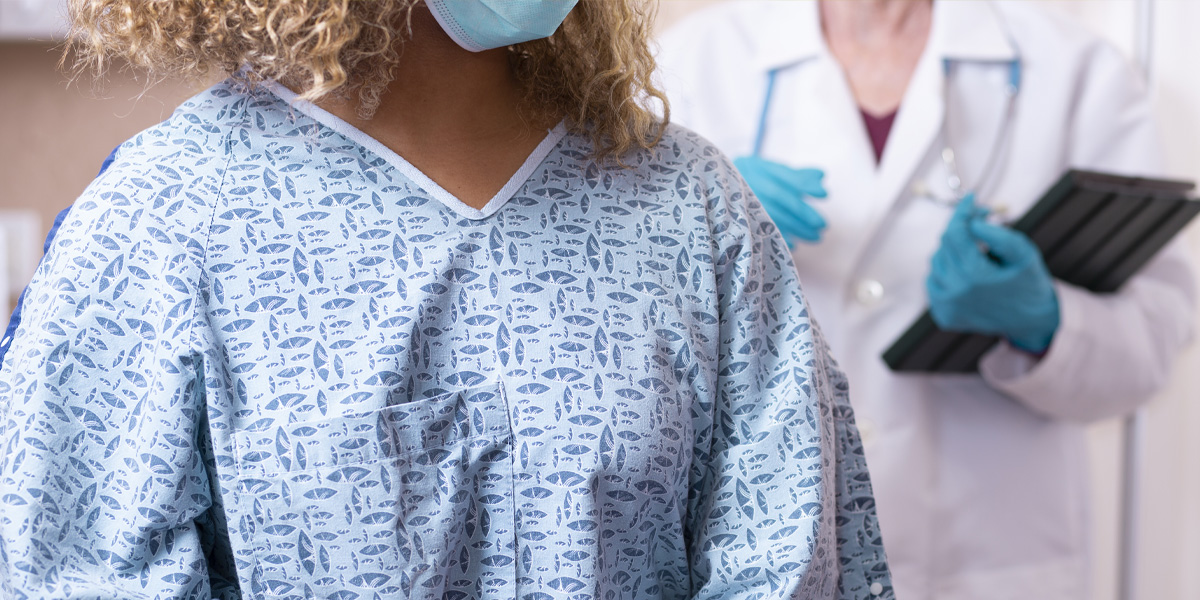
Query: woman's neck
x: 454, y: 114
x: 878, y: 44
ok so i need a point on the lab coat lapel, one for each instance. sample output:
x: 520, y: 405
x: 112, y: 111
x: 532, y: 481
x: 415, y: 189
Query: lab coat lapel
x: 814, y: 122
x: 914, y: 132
x: 961, y: 31
x: 916, y: 127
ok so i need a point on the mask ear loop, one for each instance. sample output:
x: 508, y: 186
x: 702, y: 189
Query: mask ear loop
x: 761, y: 134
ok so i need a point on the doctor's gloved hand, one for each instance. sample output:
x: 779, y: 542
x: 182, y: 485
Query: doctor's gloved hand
x: 782, y: 191
x: 990, y: 279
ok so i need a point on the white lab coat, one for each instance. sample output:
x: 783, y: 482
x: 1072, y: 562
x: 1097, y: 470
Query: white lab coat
x: 980, y: 481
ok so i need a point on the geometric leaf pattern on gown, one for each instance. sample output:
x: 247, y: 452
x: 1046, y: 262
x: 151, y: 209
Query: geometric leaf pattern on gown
x: 261, y: 361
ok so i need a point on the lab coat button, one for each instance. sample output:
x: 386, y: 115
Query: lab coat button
x: 876, y: 588
x: 868, y: 292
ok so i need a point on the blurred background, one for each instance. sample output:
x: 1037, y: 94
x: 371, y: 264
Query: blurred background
x: 56, y: 135
x: 1167, y: 516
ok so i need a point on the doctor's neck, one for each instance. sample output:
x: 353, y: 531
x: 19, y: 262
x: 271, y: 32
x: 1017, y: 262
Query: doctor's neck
x: 878, y: 44
x: 871, y: 21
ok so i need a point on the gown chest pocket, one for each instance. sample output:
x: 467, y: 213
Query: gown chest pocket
x: 410, y: 501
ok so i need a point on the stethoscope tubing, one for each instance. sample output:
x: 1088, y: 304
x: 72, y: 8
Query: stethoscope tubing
x: 761, y: 134
x: 995, y: 154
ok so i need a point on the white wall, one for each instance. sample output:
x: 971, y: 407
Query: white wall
x: 1169, y: 515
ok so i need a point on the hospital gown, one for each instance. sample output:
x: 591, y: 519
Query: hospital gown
x: 267, y: 358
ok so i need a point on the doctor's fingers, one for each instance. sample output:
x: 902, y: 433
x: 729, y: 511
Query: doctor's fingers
x: 958, y: 228
x: 778, y: 200
x: 769, y: 191
x: 967, y: 211
x: 803, y: 182
x: 945, y: 304
x: 948, y: 272
x: 799, y: 182
x: 972, y: 251
x: 1013, y: 248
x: 961, y: 262
x: 809, y: 182
x: 808, y: 215
x: 958, y: 242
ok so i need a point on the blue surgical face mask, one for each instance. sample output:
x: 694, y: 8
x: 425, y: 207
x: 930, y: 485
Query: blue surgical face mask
x: 479, y: 25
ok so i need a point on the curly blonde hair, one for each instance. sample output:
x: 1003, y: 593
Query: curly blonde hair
x: 595, y: 72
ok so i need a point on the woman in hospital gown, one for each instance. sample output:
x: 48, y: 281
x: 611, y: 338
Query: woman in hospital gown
x: 267, y: 357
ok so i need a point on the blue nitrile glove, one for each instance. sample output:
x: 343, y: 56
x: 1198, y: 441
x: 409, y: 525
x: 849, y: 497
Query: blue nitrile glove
x: 782, y: 190
x: 991, y: 279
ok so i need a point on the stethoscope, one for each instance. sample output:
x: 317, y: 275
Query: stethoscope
x: 954, y: 180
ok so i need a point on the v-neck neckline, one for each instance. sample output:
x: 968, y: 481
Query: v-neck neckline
x: 450, y: 201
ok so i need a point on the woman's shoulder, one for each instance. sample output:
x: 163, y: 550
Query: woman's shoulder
x: 202, y: 126
x: 194, y: 140
x: 686, y: 144
x: 164, y: 184
x: 682, y: 179
x: 185, y: 159
x: 681, y: 164
x: 210, y: 127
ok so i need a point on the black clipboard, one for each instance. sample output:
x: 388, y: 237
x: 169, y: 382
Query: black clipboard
x: 1095, y: 230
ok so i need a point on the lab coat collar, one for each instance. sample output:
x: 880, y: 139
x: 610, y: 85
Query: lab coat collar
x: 970, y: 31
x: 790, y: 33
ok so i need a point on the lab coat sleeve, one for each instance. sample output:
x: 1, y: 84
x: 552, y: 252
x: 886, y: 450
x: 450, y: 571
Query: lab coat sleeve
x: 102, y: 475
x: 781, y: 503
x: 1111, y: 352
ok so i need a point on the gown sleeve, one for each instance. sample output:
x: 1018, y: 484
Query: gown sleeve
x: 781, y: 503
x: 102, y: 476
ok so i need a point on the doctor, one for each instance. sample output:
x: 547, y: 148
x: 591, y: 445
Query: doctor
x: 907, y: 107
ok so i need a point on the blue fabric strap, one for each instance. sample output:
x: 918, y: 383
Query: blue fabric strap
x: 762, y: 116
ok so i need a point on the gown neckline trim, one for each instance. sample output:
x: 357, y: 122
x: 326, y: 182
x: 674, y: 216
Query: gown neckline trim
x: 450, y: 201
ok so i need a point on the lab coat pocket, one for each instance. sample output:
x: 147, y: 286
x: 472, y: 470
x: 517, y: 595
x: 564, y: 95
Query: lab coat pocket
x: 414, y: 500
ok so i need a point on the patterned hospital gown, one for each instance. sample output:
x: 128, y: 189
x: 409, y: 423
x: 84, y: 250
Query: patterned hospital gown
x: 266, y: 357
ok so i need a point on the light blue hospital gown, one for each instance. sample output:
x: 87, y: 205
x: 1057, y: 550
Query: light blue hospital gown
x: 267, y: 358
